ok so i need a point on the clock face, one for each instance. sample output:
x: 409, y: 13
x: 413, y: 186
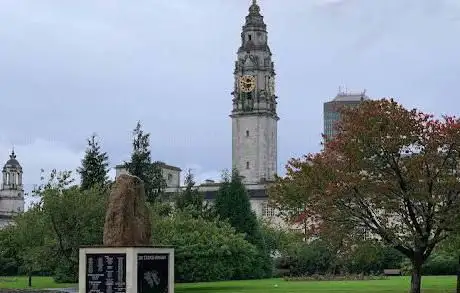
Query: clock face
x: 271, y: 85
x: 247, y: 83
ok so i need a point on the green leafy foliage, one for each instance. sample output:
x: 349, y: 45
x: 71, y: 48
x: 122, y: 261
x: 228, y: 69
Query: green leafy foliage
x: 67, y: 217
x: 319, y: 257
x: 307, y: 259
x: 141, y: 165
x: 9, y: 259
x: 232, y: 204
x: 371, y: 257
x: 278, y: 239
x: 94, y: 166
x: 30, y: 237
x: 190, y: 200
x: 204, y: 250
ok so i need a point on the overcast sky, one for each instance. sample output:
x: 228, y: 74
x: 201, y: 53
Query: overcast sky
x: 71, y: 68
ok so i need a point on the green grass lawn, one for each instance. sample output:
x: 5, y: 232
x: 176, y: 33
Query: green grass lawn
x: 393, y: 285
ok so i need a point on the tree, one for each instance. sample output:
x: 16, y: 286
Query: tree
x: 142, y: 166
x: 72, y: 217
x: 190, y: 199
x: 9, y: 258
x: 232, y: 204
x: 391, y: 171
x: 294, y: 200
x: 29, y: 235
x: 94, y: 166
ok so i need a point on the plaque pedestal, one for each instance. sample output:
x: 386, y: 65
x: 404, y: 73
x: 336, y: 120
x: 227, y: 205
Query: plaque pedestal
x: 126, y: 269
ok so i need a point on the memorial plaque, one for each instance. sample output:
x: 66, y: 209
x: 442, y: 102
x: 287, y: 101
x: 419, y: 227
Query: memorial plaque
x: 153, y: 273
x: 106, y: 273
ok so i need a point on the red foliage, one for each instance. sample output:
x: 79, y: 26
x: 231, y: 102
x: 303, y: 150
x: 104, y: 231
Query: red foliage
x: 389, y: 170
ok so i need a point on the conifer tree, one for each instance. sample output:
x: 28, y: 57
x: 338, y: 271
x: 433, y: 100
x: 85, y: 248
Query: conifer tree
x: 232, y: 204
x: 190, y: 199
x: 142, y: 166
x: 94, y: 166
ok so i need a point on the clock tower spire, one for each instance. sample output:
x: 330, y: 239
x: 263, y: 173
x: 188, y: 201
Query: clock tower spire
x: 254, y: 116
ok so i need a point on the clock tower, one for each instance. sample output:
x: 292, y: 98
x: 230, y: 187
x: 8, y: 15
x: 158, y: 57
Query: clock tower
x: 254, y: 116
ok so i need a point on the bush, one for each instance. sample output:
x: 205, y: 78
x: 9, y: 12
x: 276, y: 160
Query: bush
x: 438, y: 264
x: 441, y: 264
x: 204, y: 250
x: 9, y: 264
x: 317, y: 257
x: 371, y: 257
x: 306, y: 259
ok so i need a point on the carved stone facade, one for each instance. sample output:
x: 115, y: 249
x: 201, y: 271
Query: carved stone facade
x: 254, y: 117
x: 11, y: 191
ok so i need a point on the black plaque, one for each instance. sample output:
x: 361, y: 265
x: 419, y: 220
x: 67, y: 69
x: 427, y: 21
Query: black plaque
x: 153, y: 273
x: 106, y: 273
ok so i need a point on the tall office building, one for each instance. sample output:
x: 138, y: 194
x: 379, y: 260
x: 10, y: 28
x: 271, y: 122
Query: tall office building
x: 332, y: 109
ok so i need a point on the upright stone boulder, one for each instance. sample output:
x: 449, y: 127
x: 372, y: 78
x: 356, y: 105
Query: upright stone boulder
x: 127, y: 222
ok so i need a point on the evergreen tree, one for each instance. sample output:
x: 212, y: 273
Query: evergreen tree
x: 190, y: 200
x: 94, y: 166
x: 142, y: 166
x: 232, y: 203
x: 158, y: 181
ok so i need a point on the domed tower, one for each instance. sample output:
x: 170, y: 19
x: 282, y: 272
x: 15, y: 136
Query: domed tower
x: 12, y: 191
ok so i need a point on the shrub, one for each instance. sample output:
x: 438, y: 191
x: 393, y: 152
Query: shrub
x: 436, y: 265
x: 9, y: 264
x: 318, y: 257
x: 441, y: 264
x: 204, y: 250
x: 371, y: 257
x: 306, y: 259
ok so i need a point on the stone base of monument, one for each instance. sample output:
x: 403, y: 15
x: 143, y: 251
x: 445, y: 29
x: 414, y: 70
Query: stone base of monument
x: 126, y: 269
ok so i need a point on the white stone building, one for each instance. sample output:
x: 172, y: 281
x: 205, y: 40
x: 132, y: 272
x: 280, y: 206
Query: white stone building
x: 171, y: 174
x: 11, y: 191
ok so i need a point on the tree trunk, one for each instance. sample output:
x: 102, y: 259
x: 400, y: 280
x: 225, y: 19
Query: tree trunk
x: 30, y: 278
x: 458, y: 275
x: 416, y: 278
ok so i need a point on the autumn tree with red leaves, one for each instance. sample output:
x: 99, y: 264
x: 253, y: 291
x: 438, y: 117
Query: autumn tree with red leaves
x: 389, y: 170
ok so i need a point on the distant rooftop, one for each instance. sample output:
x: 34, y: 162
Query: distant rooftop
x: 350, y: 96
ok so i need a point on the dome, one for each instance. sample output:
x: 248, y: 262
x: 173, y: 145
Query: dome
x: 12, y: 162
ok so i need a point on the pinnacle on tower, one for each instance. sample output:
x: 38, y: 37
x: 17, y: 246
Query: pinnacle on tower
x: 254, y: 9
x: 254, y: 19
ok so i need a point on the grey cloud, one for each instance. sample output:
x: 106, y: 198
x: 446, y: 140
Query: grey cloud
x: 70, y: 68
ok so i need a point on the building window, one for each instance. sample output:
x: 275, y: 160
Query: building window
x: 247, y: 132
x: 268, y: 211
x: 170, y: 177
x: 250, y: 37
x: 247, y: 165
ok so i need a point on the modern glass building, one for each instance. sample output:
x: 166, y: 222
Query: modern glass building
x: 332, y: 108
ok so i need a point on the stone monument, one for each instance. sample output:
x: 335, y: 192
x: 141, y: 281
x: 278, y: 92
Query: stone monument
x: 126, y: 262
